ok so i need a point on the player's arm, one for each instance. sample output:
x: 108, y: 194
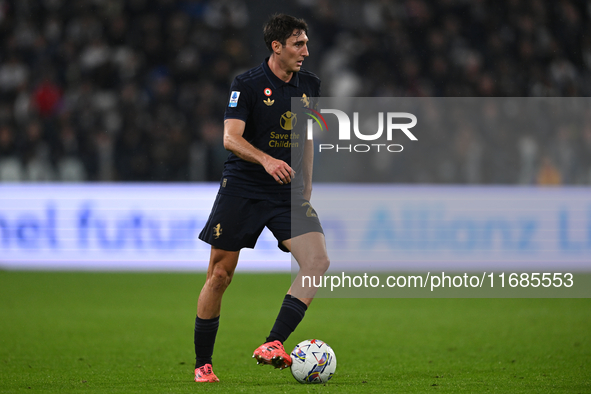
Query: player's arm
x: 308, y: 157
x: 235, y: 142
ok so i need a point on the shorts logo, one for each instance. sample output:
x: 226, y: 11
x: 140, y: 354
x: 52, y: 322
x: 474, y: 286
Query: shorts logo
x: 288, y: 120
x: 311, y: 213
x: 267, y: 92
x: 217, y: 230
x: 234, y: 99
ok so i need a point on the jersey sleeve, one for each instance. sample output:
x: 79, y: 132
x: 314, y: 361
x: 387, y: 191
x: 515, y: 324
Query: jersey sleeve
x: 318, y: 91
x: 239, y: 101
x: 316, y: 97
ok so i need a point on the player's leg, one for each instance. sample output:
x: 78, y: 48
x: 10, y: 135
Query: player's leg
x: 221, y: 268
x: 234, y: 223
x: 309, y: 250
x: 295, y: 224
x: 222, y: 264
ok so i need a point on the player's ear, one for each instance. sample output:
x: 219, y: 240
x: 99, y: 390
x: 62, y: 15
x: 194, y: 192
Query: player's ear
x: 276, y: 45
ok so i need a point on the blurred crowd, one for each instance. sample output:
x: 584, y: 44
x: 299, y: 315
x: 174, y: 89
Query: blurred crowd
x: 135, y: 90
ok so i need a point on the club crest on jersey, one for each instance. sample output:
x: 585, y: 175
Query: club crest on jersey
x: 234, y: 99
x: 267, y: 92
x: 288, y: 120
x: 306, y: 100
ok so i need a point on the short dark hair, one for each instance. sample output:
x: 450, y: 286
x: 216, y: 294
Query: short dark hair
x: 280, y: 27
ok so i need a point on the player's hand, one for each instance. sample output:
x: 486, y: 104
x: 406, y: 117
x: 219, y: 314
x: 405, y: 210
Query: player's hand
x: 279, y: 170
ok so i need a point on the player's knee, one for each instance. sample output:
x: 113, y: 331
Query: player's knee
x: 325, y: 263
x: 320, y: 264
x: 220, y: 278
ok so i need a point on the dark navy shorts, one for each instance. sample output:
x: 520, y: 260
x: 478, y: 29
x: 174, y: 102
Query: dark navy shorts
x: 237, y: 222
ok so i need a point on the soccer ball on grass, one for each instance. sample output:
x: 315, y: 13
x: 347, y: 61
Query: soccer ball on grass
x: 313, y: 361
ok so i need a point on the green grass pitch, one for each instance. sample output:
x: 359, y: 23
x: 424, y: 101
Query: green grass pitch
x: 133, y: 333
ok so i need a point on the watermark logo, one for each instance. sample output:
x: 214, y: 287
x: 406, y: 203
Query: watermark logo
x: 390, y: 119
x: 317, y: 116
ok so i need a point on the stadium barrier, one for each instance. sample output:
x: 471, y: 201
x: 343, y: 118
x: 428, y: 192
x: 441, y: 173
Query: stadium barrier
x: 155, y: 227
x: 407, y: 228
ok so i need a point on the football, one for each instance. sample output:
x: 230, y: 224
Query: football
x: 313, y: 361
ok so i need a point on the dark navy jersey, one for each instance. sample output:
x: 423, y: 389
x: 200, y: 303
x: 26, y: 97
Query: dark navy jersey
x: 263, y: 101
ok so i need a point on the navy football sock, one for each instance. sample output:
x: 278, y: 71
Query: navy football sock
x: 205, y: 333
x: 290, y: 315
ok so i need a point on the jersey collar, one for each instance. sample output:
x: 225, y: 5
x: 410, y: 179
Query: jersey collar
x: 275, y: 81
